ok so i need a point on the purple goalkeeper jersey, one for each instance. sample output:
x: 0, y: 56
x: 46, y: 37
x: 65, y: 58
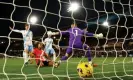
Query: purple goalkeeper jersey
x: 75, y: 35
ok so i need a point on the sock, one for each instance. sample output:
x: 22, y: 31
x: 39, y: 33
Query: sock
x: 64, y: 58
x: 25, y: 56
x: 89, y: 55
x: 90, y: 62
x: 54, y: 57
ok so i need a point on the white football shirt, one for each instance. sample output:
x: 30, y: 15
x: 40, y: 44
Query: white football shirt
x: 49, y: 42
x: 27, y: 36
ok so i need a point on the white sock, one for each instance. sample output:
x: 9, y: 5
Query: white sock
x: 54, y: 57
x: 59, y: 61
x: 25, y: 56
x: 90, y: 62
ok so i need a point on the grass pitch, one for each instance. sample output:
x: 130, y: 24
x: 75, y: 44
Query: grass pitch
x: 108, y: 68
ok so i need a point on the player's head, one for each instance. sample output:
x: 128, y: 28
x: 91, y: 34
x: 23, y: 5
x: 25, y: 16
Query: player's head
x: 49, y: 33
x: 27, y: 26
x: 73, y: 25
x: 39, y: 45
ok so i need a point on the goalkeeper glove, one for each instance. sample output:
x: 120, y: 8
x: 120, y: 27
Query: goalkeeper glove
x: 98, y: 35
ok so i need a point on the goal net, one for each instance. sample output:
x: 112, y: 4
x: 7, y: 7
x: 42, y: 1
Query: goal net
x: 113, y: 53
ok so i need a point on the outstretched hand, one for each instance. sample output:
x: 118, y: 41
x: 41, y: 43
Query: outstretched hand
x: 98, y: 35
x: 55, y: 33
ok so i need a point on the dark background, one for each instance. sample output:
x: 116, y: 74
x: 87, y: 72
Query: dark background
x: 53, y: 15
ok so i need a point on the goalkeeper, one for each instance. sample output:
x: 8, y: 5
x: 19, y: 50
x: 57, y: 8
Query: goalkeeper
x: 75, y: 36
x: 27, y: 38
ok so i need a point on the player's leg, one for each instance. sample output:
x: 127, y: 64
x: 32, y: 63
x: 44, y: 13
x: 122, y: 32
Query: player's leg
x: 52, y: 51
x: 47, y: 51
x: 50, y: 63
x: 54, y: 56
x: 45, y: 63
x: 25, y: 54
x: 88, y: 53
x: 25, y: 57
x: 40, y: 63
x: 31, y: 55
x: 69, y: 50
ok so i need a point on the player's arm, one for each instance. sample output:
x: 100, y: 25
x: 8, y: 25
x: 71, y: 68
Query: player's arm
x: 44, y: 54
x: 44, y: 42
x: 64, y: 32
x: 19, y: 31
x: 94, y: 35
x: 89, y: 34
x: 55, y: 33
x: 56, y: 46
x: 31, y: 35
x: 100, y: 35
x: 61, y: 32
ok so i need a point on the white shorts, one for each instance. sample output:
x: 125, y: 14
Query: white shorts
x: 50, y: 51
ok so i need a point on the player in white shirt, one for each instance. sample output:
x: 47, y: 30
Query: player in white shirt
x: 27, y: 38
x: 48, y: 45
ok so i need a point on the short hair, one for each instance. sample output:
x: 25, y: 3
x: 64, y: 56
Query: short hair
x: 74, y: 23
x: 26, y: 24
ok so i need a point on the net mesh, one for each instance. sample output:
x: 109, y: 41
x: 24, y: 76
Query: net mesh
x: 113, y: 53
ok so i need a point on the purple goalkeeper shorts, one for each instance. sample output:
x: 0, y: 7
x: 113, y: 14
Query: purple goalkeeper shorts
x: 78, y: 46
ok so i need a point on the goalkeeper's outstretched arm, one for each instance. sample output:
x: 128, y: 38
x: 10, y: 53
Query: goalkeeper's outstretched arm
x: 100, y: 35
x: 94, y: 35
x: 61, y: 32
x: 55, y: 33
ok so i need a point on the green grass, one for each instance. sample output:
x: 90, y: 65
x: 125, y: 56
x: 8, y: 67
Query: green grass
x: 110, y: 68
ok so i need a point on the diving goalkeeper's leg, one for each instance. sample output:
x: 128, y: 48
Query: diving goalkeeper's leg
x: 88, y: 53
x: 69, y: 50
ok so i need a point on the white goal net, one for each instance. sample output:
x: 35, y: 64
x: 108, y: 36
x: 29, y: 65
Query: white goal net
x: 113, y: 53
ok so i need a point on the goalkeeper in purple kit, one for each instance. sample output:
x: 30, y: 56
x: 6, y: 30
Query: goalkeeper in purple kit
x: 75, y: 40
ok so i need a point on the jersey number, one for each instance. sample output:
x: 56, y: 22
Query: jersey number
x: 76, y: 32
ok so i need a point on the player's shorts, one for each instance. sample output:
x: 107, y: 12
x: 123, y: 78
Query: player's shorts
x: 81, y: 46
x: 28, y: 47
x: 50, y: 51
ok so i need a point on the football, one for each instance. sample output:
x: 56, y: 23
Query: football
x: 85, y: 69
